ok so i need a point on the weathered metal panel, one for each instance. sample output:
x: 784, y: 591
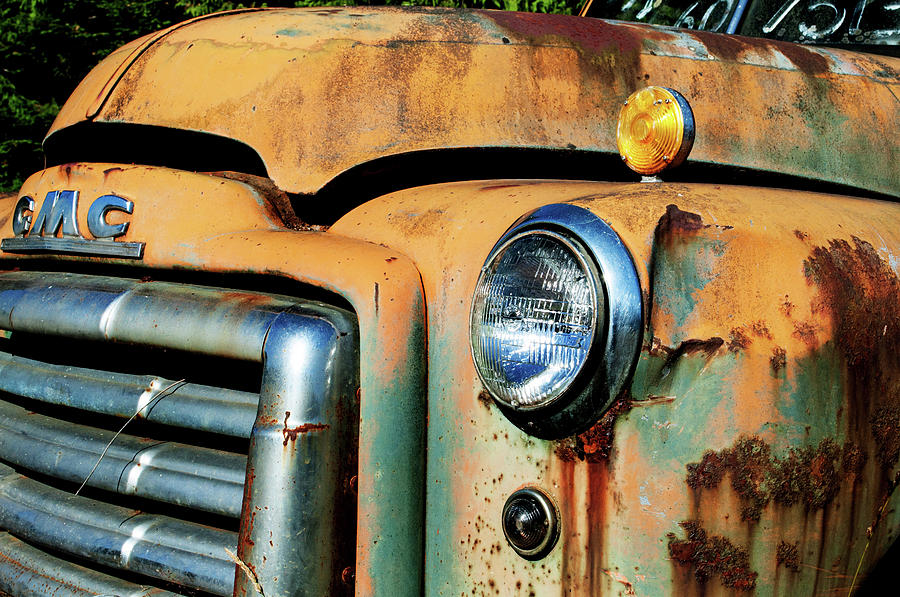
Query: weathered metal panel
x: 355, y: 84
x: 755, y: 447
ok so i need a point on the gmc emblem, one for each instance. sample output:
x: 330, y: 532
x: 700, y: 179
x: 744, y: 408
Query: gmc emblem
x: 38, y: 233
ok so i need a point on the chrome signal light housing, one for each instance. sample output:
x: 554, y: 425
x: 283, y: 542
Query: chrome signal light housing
x: 556, y: 320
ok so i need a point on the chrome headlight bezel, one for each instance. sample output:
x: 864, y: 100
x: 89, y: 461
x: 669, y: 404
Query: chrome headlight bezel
x: 615, y: 345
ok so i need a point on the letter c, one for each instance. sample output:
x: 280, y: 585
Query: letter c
x: 97, y: 223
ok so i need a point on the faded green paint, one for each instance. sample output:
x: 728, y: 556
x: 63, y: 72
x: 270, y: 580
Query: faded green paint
x: 811, y: 400
x: 680, y: 270
x: 393, y: 508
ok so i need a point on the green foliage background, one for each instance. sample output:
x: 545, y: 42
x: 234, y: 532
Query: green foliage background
x: 48, y: 46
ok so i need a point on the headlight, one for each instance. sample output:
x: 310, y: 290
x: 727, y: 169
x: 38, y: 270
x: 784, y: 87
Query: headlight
x: 556, y: 320
x: 534, y: 318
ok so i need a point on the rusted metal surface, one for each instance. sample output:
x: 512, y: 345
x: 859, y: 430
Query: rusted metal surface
x: 356, y: 84
x: 754, y: 439
x: 750, y: 453
x: 275, y: 197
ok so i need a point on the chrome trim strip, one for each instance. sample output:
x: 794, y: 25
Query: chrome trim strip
x: 75, y: 246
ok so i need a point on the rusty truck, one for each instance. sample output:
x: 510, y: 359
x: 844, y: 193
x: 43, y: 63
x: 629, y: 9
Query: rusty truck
x: 404, y: 301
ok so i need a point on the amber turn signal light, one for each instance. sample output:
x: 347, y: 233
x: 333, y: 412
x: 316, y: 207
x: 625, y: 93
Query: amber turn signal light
x: 655, y: 131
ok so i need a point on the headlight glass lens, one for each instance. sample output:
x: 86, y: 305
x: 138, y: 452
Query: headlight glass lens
x: 534, y: 318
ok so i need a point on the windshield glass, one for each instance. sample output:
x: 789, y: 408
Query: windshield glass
x: 827, y: 22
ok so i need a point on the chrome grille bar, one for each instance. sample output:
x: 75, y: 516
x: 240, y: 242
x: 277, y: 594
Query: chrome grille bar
x: 190, y: 318
x: 157, y: 546
x: 216, y: 410
x: 193, y: 477
x: 29, y: 572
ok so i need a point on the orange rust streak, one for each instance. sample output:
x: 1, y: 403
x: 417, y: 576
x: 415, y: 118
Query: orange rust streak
x: 291, y: 433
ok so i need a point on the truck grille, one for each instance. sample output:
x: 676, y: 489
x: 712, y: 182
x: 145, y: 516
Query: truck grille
x: 131, y: 415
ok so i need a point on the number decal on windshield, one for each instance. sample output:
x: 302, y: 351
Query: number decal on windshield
x: 826, y: 20
x: 809, y: 21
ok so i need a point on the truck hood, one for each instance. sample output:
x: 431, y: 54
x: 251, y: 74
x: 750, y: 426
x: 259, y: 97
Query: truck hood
x: 316, y: 92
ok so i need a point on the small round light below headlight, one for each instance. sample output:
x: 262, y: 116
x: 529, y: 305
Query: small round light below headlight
x: 530, y: 523
x: 534, y: 318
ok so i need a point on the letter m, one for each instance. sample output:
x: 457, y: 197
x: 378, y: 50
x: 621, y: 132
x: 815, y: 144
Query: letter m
x: 58, y: 210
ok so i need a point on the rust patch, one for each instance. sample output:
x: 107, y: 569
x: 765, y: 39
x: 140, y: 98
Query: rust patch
x: 598, y: 36
x: 484, y: 397
x: 729, y: 48
x: 595, y: 444
x: 806, y: 333
x: 653, y: 399
x: 862, y: 292
x: 676, y: 220
x: 707, y: 473
x: 723, y: 47
x: 710, y: 556
x: 738, y: 340
x: 811, y: 476
x: 760, y: 330
x: 885, y: 423
x: 708, y: 347
x: 787, y: 307
x: 291, y: 433
x: 805, y: 59
x: 801, y: 235
x: 788, y: 555
x: 275, y: 199
x: 499, y: 186
x: 778, y: 360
